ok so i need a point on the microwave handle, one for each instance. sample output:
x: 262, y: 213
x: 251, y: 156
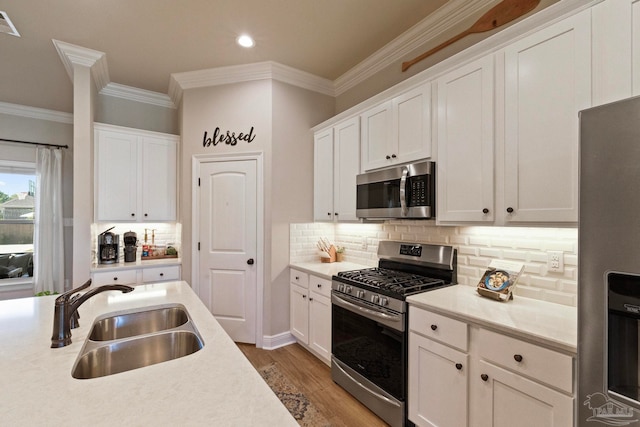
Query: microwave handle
x: 403, y: 191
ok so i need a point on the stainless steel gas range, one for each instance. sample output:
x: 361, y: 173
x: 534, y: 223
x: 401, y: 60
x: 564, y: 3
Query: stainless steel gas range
x: 370, y: 322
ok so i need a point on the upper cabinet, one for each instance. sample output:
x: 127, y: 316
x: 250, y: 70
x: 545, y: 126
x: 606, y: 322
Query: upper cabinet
x: 398, y: 130
x: 135, y: 175
x: 547, y: 82
x: 465, y: 119
x: 336, y: 165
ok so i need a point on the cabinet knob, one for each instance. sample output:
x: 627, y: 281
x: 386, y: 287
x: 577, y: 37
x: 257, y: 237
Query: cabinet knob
x: 329, y: 213
x: 485, y: 211
x: 434, y: 327
x: 458, y: 366
x: 297, y: 278
x: 133, y: 214
x: 510, y: 209
x: 393, y: 156
x: 115, y: 278
x: 310, y: 299
x: 304, y: 296
x: 484, y: 377
x: 319, y: 285
x: 161, y: 274
x: 335, y: 213
x: 388, y: 157
x: 517, y: 357
x: 146, y: 214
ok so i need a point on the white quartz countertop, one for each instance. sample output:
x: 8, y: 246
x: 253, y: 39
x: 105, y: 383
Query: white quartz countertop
x: 137, y: 264
x: 214, y: 386
x: 553, y: 325
x: 326, y: 269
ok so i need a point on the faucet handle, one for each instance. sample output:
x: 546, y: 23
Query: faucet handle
x: 65, y: 296
x: 75, y: 316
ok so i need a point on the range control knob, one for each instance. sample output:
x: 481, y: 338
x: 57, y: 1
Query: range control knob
x: 375, y: 299
x: 347, y: 289
x: 360, y: 294
x: 384, y: 301
x: 340, y: 288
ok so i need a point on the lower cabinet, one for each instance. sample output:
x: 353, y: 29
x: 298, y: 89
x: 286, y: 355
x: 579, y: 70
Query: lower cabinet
x: 465, y: 375
x: 310, y: 312
x: 136, y: 276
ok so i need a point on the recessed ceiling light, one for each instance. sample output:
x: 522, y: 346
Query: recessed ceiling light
x: 245, y: 41
x: 6, y: 26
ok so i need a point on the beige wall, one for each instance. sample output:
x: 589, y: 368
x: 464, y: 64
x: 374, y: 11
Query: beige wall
x: 281, y: 116
x: 138, y: 115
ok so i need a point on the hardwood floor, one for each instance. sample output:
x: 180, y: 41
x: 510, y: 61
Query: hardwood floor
x: 313, y: 378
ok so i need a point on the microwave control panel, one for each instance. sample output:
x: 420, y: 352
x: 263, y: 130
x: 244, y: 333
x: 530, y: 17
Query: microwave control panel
x: 418, y: 190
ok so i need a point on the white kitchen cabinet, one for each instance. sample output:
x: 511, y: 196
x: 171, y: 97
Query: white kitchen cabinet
x: 438, y: 378
x: 135, y: 276
x: 465, y: 118
x: 336, y: 165
x: 398, y: 130
x: 547, y: 82
x: 310, y: 313
x: 463, y: 374
x: 135, y: 175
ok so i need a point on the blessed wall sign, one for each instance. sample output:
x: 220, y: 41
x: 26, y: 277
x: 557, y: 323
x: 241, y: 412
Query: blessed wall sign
x: 228, y: 137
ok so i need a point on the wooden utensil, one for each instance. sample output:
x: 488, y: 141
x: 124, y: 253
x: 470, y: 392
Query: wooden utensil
x: 502, y: 13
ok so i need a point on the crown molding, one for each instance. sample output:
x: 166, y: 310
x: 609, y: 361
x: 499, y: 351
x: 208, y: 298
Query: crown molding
x: 244, y: 73
x: 420, y: 34
x: 76, y: 55
x: 36, y: 113
x: 139, y: 95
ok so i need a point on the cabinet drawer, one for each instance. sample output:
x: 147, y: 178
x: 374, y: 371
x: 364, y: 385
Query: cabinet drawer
x: 120, y: 277
x: 158, y: 274
x: 299, y: 278
x: 320, y: 285
x: 438, y: 327
x: 539, y: 363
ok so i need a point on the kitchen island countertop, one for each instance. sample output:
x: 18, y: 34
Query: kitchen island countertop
x: 553, y: 325
x: 214, y: 386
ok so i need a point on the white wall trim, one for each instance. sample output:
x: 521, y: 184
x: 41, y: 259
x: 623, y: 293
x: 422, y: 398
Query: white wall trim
x: 428, y: 29
x: 35, y: 113
x: 272, y: 342
x: 196, y: 161
x: 248, y: 72
x: 71, y: 55
x: 139, y: 95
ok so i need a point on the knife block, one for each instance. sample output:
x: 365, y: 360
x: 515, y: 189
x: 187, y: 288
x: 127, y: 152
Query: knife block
x: 332, y: 255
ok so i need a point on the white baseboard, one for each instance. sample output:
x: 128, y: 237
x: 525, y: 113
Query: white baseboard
x: 276, y: 341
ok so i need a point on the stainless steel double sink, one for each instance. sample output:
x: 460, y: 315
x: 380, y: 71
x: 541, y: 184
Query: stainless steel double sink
x: 136, y: 338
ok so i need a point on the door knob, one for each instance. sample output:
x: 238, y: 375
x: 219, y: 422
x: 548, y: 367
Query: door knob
x: 250, y: 261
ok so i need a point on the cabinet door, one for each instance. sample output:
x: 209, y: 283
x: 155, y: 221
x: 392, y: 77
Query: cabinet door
x: 547, y: 82
x: 438, y: 393
x: 116, y: 159
x: 320, y: 324
x: 500, y: 397
x: 323, y: 175
x: 346, y: 166
x: 465, y: 120
x: 377, y: 148
x: 159, y: 159
x: 412, y: 124
x: 299, y: 312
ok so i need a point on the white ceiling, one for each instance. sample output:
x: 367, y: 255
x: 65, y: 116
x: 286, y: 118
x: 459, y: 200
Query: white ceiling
x: 147, y: 40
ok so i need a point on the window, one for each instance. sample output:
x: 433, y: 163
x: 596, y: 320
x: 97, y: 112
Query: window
x: 17, y: 206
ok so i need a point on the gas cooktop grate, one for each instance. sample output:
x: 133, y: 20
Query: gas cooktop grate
x: 390, y: 280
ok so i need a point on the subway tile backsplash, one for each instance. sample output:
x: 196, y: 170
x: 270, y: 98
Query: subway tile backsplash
x: 476, y: 246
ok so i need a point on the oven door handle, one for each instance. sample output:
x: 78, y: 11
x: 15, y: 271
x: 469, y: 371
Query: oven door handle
x: 351, y: 307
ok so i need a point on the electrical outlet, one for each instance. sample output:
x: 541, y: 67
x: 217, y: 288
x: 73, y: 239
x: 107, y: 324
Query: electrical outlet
x: 555, y: 261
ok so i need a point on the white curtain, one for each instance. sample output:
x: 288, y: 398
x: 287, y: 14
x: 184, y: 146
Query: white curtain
x: 48, y: 245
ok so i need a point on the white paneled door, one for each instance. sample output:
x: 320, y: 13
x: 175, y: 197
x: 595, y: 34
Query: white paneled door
x: 228, y: 242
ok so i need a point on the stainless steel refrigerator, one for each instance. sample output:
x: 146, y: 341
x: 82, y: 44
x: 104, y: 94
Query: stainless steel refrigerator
x: 609, y: 266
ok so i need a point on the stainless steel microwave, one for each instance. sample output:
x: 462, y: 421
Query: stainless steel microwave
x: 402, y: 192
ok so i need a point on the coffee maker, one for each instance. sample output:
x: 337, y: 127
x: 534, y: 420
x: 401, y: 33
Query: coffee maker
x: 130, y: 246
x: 108, y: 247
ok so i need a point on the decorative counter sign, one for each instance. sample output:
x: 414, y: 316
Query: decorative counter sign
x: 229, y: 138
